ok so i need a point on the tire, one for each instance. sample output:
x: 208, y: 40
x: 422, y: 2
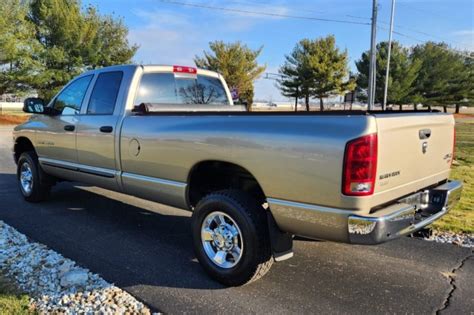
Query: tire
x: 29, y: 171
x: 242, y: 214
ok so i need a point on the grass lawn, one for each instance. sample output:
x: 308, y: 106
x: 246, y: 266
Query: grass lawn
x: 12, y: 301
x: 461, y: 218
x: 13, y: 118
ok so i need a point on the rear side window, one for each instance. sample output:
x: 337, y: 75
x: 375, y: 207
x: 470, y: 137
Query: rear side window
x: 166, y: 88
x: 104, y: 94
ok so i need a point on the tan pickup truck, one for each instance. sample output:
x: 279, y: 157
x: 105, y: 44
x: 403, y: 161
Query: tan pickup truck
x: 252, y: 179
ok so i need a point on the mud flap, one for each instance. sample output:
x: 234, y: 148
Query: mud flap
x: 282, y: 243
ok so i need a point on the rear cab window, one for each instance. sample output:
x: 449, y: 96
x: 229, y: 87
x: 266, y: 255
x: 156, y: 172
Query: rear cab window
x: 180, y: 89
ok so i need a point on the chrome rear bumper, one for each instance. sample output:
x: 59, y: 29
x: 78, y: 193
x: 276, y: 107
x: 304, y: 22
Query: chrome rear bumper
x: 406, y: 216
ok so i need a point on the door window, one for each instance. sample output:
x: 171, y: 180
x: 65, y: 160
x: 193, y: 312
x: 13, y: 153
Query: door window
x: 69, y: 101
x: 104, y: 94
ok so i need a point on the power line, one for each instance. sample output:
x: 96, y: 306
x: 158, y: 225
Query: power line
x: 406, y: 28
x: 417, y: 39
x: 461, y: 53
x: 203, y: 6
x: 259, y: 3
x: 318, y: 12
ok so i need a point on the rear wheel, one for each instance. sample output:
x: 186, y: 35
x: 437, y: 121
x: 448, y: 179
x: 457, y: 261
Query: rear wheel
x: 231, y: 239
x: 32, y: 181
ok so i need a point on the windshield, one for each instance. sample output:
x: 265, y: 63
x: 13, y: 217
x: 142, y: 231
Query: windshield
x: 170, y: 88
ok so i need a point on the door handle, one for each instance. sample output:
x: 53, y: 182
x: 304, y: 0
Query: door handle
x: 424, y: 133
x: 69, y: 127
x: 106, y: 129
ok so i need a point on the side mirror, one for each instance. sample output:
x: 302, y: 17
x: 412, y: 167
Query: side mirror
x: 34, y: 105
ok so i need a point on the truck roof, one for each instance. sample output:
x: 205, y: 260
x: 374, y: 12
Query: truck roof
x: 156, y: 68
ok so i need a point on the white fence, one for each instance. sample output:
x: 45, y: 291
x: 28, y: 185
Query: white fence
x: 11, y: 107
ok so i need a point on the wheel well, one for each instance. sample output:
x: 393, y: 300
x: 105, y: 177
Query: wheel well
x: 22, y: 144
x: 210, y: 176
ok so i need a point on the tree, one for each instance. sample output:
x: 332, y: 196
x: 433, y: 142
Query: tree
x: 72, y: 41
x: 290, y: 88
x: 466, y: 87
x: 17, y: 46
x: 403, y: 73
x: 315, y: 68
x: 330, y: 69
x: 107, y: 39
x: 237, y: 63
x: 445, y: 76
x: 295, y: 80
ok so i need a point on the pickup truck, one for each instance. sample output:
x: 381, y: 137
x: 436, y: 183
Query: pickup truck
x: 252, y: 180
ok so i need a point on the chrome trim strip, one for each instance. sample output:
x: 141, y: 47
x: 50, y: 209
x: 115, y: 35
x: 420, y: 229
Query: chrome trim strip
x: 99, y: 171
x: 164, y: 191
x: 154, y: 180
x: 306, y: 206
x: 312, y: 221
x: 66, y: 167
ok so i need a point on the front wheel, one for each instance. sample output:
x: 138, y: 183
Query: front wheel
x: 31, y: 179
x: 231, y: 239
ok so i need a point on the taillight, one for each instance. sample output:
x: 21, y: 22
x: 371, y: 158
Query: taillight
x: 360, y: 166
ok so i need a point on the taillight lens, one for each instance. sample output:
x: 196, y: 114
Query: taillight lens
x: 360, y: 166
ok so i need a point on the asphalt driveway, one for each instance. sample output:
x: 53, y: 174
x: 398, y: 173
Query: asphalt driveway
x: 146, y: 249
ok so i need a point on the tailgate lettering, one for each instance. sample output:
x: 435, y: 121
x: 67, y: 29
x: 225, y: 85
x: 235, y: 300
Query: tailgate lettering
x: 387, y: 175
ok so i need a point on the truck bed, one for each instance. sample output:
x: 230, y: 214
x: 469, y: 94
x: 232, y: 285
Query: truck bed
x: 293, y: 156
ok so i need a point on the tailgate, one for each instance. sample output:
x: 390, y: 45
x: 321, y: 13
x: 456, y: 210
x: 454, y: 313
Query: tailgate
x: 414, y: 151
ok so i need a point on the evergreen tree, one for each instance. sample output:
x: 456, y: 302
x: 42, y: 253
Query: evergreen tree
x: 17, y: 46
x: 237, y: 63
x: 403, y: 73
x: 315, y: 68
x: 71, y: 41
x: 445, y: 76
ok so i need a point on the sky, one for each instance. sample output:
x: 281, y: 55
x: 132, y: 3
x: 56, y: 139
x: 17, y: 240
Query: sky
x: 170, y: 32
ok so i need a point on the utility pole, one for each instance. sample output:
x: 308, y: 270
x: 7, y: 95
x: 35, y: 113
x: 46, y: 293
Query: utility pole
x: 373, y: 52
x: 387, y: 73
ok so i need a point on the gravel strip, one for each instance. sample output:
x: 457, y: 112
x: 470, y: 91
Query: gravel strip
x: 463, y: 239
x: 56, y: 284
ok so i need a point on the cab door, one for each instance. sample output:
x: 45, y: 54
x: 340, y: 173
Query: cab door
x: 56, y: 135
x: 97, y: 131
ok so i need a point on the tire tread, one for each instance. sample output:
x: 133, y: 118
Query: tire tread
x: 42, y: 188
x: 258, y: 216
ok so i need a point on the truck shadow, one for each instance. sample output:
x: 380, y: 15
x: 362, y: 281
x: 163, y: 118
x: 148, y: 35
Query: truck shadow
x: 128, y: 245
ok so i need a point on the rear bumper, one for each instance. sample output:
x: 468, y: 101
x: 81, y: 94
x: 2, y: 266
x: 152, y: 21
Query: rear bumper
x: 402, y: 217
x: 410, y: 215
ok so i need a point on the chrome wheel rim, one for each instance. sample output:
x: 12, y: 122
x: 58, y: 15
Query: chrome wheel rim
x: 222, y: 239
x: 26, y: 178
